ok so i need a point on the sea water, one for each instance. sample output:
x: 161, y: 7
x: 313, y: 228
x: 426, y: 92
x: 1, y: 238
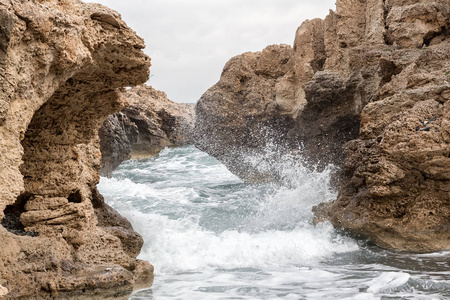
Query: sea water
x: 211, y: 236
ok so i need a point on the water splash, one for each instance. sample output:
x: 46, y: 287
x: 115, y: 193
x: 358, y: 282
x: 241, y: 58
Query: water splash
x: 210, y: 236
x: 218, y: 222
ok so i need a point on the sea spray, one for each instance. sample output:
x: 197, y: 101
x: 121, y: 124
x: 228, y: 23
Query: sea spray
x: 219, y: 222
x: 211, y: 236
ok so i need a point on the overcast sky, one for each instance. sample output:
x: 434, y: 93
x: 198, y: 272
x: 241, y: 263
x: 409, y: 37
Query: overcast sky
x: 189, y: 41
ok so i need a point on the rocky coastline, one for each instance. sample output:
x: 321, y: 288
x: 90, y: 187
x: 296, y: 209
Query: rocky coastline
x: 366, y: 89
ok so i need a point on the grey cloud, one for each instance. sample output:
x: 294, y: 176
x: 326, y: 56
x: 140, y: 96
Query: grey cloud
x: 190, y: 41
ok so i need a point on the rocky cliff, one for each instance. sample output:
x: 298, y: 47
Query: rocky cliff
x: 365, y: 89
x: 142, y: 129
x: 61, y: 64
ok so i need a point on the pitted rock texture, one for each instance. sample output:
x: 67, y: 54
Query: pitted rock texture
x: 251, y: 106
x: 61, y: 65
x: 395, y: 184
x: 149, y: 123
x: 366, y: 89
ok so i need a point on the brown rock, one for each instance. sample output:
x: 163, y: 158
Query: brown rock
x: 61, y: 64
x: 143, y: 274
x: 252, y: 104
x: 142, y: 129
x: 117, y: 225
x: 309, y: 49
x: 366, y: 89
x: 417, y: 24
x: 395, y: 184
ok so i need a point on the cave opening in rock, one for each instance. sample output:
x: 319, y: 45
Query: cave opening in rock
x: 61, y: 156
x: 11, y: 219
x: 438, y: 36
x: 75, y: 197
x: 388, y: 69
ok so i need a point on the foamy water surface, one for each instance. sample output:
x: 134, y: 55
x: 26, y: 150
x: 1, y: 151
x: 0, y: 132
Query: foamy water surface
x: 210, y: 236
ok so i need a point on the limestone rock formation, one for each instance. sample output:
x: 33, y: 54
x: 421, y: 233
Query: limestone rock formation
x: 365, y: 89
x: 252, y: 105
x: 142, y: 129
x: 61, y: 64
x: 395, y: 184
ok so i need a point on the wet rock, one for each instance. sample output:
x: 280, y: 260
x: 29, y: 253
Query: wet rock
x: 251, y: 106
x: 117, y: 134
x: 142, y: 129
x: 143, y: 273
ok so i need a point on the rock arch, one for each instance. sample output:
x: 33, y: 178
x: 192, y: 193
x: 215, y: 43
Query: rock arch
x: 62, y: 64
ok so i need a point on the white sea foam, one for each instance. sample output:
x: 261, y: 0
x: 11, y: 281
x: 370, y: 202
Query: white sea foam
x: 212, y: 237
x: 180, y: 245
x: 388, y: 281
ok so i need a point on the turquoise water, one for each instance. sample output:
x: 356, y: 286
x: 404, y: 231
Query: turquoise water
x: 210, y: 236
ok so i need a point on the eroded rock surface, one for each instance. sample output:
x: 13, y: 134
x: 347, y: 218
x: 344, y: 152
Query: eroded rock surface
x: 251, y: 106
x: 395, y: 184
x: 366, y: 89
x: 61, y: 64
x: 148, y: 124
